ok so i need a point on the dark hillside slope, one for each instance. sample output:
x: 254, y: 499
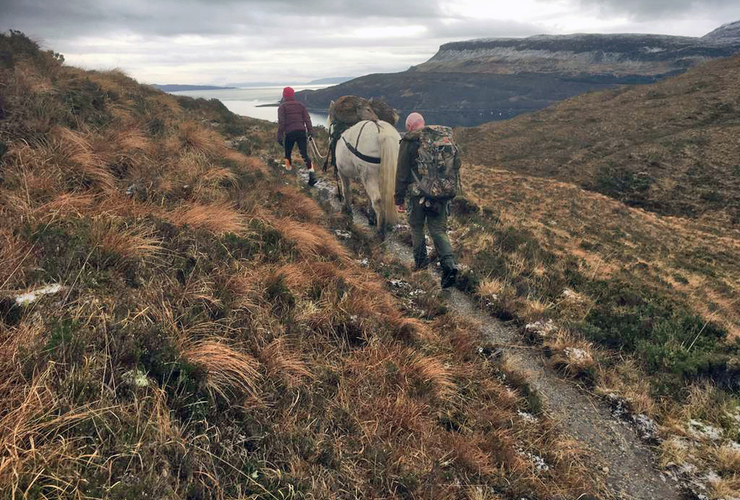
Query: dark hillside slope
x: 461, y: 100
x: 671, y: 147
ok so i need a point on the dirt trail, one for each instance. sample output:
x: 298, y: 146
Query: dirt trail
x: 623, y: 459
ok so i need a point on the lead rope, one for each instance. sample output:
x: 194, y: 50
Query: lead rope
x: 315, y: 150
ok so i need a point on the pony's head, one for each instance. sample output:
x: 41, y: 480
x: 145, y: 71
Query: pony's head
x: 365, y: 112
x: 350, y: 109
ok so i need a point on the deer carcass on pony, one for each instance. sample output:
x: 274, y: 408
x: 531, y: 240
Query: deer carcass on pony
x: 368, y: 151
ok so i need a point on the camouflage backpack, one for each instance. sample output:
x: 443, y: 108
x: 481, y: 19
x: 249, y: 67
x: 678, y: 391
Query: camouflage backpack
x: 438, y: 176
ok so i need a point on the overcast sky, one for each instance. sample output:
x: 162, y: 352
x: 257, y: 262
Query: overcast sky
x: 293, y: 41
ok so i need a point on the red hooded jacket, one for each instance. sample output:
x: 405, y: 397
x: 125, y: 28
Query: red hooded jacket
x: 292, y: 116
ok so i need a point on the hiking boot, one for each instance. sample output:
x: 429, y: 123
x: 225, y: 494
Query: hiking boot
x: 311, y: 178
x: 449, y: 276
x: 287, y: 165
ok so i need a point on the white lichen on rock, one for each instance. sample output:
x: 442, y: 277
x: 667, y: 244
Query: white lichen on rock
x: 136, y: 378
x: 701, y: 430
x: 541, y: 328
x: 30, y: 297
x: 576, y: 355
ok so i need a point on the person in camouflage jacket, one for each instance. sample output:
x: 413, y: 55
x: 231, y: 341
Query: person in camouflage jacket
x: 421, y: 209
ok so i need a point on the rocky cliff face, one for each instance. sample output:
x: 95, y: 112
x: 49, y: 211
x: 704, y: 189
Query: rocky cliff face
x: 472, y: 82
x: 617, y: 55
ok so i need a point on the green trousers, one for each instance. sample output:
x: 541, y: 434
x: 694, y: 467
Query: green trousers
x: 437, y: 224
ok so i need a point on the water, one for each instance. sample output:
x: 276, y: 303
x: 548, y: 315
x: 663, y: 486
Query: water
x: 247, y: 101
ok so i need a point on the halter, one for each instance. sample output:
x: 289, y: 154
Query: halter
x: 356, y: 152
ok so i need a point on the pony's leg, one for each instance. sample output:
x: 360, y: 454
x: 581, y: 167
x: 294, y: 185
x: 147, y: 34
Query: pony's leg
x: 347, y: 194
x: 373, y: 192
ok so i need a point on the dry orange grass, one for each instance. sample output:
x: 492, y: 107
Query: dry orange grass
x: 14, y: 253
x: 311, y: 240
x: 124, y: 147
x: 626, y: 381
x: 433, y: 371
x: 396, y: 416
x: 65, y: 205
x: 74, y: 151
x: 727, y: 459
x: 197, y: 139
x: 218, y: 218
x: 30, y: 420
x: 119, y: 205
x: 282, y: 362
x: 534, y: 309
x: 229, y: 372
x: 572, y: 355
x: 33, y: 169
x: 113, y: 80
x: 219, y: 175
x: 470, y: 452
x: 298, y: 277
x: 413, y: 329
x: 296, y: 204
x: 492, y: 288
x: 570, y: 222
x: 125, y: 243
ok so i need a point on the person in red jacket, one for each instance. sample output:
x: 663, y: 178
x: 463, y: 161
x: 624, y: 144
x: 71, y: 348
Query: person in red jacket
x: 294, y: 127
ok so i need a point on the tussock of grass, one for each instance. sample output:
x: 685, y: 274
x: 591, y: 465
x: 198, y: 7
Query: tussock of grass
x: 284, y: 363
x: 72, y: 150
x: 300, y: 206
x: 218, y: 218
x: 574, y: 357
x: 65, y: 205
x: 196, y: 139
x: 125, y: 243
x: 310, y: 240
x: 227, y: 371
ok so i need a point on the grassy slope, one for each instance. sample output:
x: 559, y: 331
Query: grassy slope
x: 213, y: 339
x: 651, y: 299
x: 670, y: 147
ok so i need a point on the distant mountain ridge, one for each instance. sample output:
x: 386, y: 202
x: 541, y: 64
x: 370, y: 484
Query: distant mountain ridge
x: 472, y: 82
x: 615, y: 54
x: 176, y: 87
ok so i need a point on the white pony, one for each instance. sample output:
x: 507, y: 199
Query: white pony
x: 368, y: 151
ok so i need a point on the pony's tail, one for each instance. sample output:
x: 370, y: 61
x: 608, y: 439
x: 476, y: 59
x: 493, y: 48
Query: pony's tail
x: 389, y: 144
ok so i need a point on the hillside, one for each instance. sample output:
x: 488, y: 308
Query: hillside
x: 640, y: 308
x: 670, y: 147
x: 177, y: 321
x: 473, y: 82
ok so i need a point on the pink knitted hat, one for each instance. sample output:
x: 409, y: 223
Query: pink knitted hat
x: 414, y: 122
x: 288, y: 92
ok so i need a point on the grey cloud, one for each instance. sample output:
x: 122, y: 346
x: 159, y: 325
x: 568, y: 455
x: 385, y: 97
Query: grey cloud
x: 648, y: 9
x: 172, y: 17
x: 480, y: 28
